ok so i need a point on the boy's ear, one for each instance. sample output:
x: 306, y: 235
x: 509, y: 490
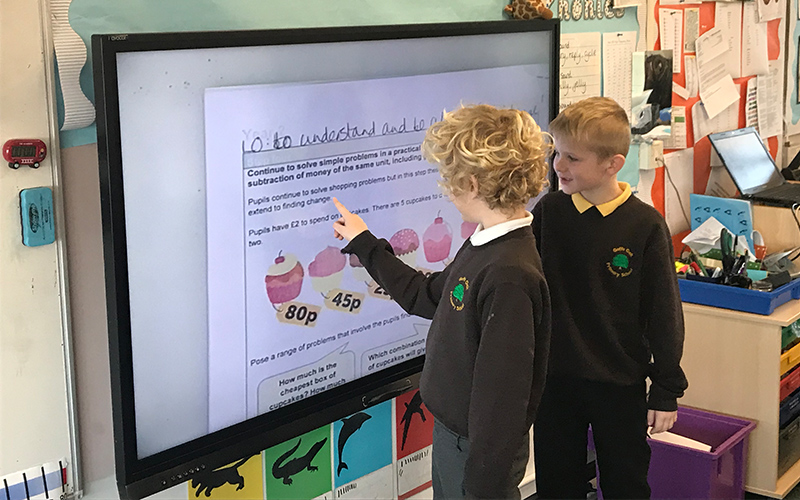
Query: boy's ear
x: 473, y: 184
x: 615, y: 164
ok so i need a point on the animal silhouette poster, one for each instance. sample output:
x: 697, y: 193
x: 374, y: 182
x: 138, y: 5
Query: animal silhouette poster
x: 383, y: 452
x: 300, y: 469
x: 414, y: 429
x: 241, y: 480
x: 414, y: 424
x: 363, y: 454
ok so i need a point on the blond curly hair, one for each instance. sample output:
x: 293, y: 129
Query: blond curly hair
x: 503, y: 149
x: 598, y: 123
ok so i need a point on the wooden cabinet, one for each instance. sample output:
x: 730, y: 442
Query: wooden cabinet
x: 733, y: 363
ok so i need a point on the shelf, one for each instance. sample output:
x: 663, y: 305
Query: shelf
x: 783, y: 315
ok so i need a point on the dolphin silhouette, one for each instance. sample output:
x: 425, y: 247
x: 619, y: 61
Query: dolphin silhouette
x: 351, y: 425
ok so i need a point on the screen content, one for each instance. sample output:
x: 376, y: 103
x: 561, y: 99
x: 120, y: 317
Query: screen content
x: 241, y: 301
x: 748, y: 161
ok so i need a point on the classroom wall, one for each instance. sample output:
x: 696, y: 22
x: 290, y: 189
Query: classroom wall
x: 34, y: 409
x: 30, y: 298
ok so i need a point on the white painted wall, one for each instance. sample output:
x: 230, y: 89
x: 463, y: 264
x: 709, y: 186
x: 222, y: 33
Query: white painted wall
x: 34, y: 412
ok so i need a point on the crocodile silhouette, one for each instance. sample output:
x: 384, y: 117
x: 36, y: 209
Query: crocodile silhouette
x: 412, y: 407
x: 351, y: 425
x: 285, y: 471
x: 219, y: 477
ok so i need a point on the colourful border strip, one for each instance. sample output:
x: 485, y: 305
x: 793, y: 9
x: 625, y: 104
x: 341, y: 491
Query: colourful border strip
x: 31, y: 487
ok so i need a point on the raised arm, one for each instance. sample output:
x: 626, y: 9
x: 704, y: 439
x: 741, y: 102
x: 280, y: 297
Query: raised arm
x: 415, y: 292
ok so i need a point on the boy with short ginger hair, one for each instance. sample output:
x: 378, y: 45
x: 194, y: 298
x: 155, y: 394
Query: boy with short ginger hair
x: 487, y: 347
x: 609, y: 260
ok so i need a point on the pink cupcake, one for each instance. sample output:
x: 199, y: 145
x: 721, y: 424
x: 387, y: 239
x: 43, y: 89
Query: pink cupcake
x: 359, y: 272
x: 437, y: 240
x: 284, y: 279
x: 326, y: 270
x: 405, y: 244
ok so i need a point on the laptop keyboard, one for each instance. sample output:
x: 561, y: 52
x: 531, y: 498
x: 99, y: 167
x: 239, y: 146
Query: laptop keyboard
x: 784, y: 192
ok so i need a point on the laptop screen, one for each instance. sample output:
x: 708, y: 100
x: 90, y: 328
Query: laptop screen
x: 747, y: 160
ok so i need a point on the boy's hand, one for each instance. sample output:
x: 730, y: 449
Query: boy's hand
x: 349, y: 225
x: 661, y: 421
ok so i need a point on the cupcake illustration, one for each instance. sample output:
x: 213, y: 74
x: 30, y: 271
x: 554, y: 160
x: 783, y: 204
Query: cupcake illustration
x: 436, y: 240
x: 359, y: 272
x: 405, y: 244
x: 284, y: 279
x: 468, y: 228
x: 326, y: 270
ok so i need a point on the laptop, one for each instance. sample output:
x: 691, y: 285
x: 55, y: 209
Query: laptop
x: 752, y: 169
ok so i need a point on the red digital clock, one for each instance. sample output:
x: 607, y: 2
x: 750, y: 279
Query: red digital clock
x: 19, y: 152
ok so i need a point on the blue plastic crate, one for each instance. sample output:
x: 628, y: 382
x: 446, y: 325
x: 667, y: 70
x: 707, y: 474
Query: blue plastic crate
x: 738, y: 299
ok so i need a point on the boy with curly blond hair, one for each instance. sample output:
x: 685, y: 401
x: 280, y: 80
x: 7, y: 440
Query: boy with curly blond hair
x: 617, y: 316
x: 488, y: 343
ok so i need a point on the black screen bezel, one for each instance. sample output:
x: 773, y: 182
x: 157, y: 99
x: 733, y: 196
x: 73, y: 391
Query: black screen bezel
x: 137, y: 477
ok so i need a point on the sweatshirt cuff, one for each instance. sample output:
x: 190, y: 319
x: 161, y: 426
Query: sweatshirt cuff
x: 361, y: 242
x: 661, y: 400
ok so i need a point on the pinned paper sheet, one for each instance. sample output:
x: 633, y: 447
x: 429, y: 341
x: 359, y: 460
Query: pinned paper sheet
x: 644, y: 190
x: 751, y: 104
x: 678, y: 128
x: 682, y: 92
x: 691, y: 28
x: 770, y: 9
x: 754, y: 42
x: 719, y: 180
x: 770, y: 121
x: 617, y: 59
x: 671, y: 31
x: 71, y: 56
x: 728, y: 119
x: 717, y: 89
x: 728, y: 18
x: 692, y: 86
x: 678, y: 2
x: 580, y: 67
x: 679, y: 170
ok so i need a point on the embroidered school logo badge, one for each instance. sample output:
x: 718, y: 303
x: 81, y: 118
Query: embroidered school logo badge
x: 458, y: 292
x: 620, y: 264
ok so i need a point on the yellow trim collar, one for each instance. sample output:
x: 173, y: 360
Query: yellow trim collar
x: 582, y: 204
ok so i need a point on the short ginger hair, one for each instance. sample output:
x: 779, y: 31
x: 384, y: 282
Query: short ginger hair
x: 598, y: 124
x: 503, y: 149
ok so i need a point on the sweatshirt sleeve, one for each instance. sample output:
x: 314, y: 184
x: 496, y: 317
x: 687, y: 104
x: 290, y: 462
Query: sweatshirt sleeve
x: 663, y: 321
x: 501, y: 390
x: 415, y: 292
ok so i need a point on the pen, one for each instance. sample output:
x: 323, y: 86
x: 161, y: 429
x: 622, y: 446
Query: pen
x: 699, y: 264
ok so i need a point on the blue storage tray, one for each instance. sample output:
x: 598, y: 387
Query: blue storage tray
x: 739, y: 299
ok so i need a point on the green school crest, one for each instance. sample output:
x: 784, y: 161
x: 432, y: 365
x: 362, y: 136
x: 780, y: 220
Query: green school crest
x: 620, y: 263
x: 458, y: 293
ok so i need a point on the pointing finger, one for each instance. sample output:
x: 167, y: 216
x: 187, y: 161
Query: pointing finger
x: 341, y: 208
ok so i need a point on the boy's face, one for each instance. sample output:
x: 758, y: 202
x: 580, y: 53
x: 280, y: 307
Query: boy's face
x: 579, y: 169
x: 467, y: 203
